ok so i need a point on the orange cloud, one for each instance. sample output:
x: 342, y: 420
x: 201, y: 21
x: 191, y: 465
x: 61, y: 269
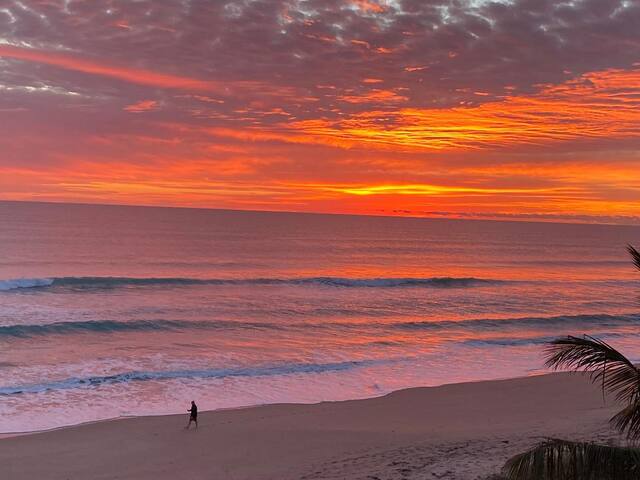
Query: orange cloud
x: 142, y: 106
x: 361, y: 43
x: 374, y: 96
x: 197, y: 164
x: 425, y: 189
x: 369, y: 6
x: 238, y: 182
x: 598, y: 105
x: 148, y: 77
x: 132, y: 75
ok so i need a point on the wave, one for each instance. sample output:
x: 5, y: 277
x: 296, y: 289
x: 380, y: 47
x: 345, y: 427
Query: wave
x: 516, y: 342
x: 508, y: 342
x: 480, y: 324
x: 25, y: 283
x: 112, y: 326
x: 143, y: 376
x: 82, y: 283
x: 601, y: 320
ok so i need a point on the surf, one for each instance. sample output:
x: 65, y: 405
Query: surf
x: 165, y: 375
x: 90, y: 283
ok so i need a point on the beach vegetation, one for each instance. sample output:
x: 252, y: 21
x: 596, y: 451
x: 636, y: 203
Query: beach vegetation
x: 556, y: 459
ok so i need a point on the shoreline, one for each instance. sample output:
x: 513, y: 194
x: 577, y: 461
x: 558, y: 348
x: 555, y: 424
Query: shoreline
x: 159, y: 415
x: 453, y: 431
x: 257, y: 405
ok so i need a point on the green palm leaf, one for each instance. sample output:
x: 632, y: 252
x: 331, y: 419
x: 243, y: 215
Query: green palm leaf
x: 563, y: 460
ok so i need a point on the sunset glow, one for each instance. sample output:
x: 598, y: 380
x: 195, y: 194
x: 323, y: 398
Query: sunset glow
x: 475, y: 109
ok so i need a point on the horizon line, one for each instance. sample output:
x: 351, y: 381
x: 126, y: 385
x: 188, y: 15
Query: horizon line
x: 491, y: 217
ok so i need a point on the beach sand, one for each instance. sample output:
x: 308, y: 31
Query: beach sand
x: 458, y: 431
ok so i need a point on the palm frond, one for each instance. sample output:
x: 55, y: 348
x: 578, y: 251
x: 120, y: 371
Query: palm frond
x: 564, y: 460
x: 605, y: 364
x: 627, y: 420
x: 635, y: 255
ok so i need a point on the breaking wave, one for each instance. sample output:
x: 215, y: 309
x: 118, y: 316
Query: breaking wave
x: 89, y: 283
x: 142, y: 376
x: 25, y: 283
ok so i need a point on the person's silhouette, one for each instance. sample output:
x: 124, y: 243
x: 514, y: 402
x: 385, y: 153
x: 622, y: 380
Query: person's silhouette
x: 194, y: 415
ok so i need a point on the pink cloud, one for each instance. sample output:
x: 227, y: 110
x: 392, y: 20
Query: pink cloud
x: 142, y: 106
x: 133, y: 75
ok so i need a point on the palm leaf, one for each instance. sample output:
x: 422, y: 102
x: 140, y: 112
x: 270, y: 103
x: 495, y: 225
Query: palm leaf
x: 635, y: 255
x: 564, y: 460
x: 628, y: 420
x: 606, y: 365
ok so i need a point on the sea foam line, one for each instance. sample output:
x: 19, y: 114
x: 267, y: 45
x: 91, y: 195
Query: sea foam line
x: 144, y: 376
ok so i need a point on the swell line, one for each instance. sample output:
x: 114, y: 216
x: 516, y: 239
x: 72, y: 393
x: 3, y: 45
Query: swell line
x: 475, y: 325
x: 113, y: 326
x: 79, y: 283
x: 539, y: 340
x: 602, y: 320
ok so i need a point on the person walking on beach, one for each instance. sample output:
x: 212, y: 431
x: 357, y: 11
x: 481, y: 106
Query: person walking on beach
x: 194, y: 415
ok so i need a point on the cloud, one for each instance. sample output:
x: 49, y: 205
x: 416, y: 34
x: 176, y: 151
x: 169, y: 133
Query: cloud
x: 455, y: 44
x: 133, y: 75
x: 507, y: 107
x: 375, y: 96
x: 596, y: 106
x: 369, y: 6
x: 142, y: 106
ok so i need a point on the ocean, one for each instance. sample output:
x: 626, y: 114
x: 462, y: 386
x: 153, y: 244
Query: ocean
x: 110, y: 311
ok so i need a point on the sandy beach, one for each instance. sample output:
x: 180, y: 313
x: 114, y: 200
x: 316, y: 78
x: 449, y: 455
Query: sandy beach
x: 458, y: 431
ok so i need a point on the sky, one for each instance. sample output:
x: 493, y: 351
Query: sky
x: 524, y: 109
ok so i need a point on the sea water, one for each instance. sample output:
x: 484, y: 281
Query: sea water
x: 108, y: 311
